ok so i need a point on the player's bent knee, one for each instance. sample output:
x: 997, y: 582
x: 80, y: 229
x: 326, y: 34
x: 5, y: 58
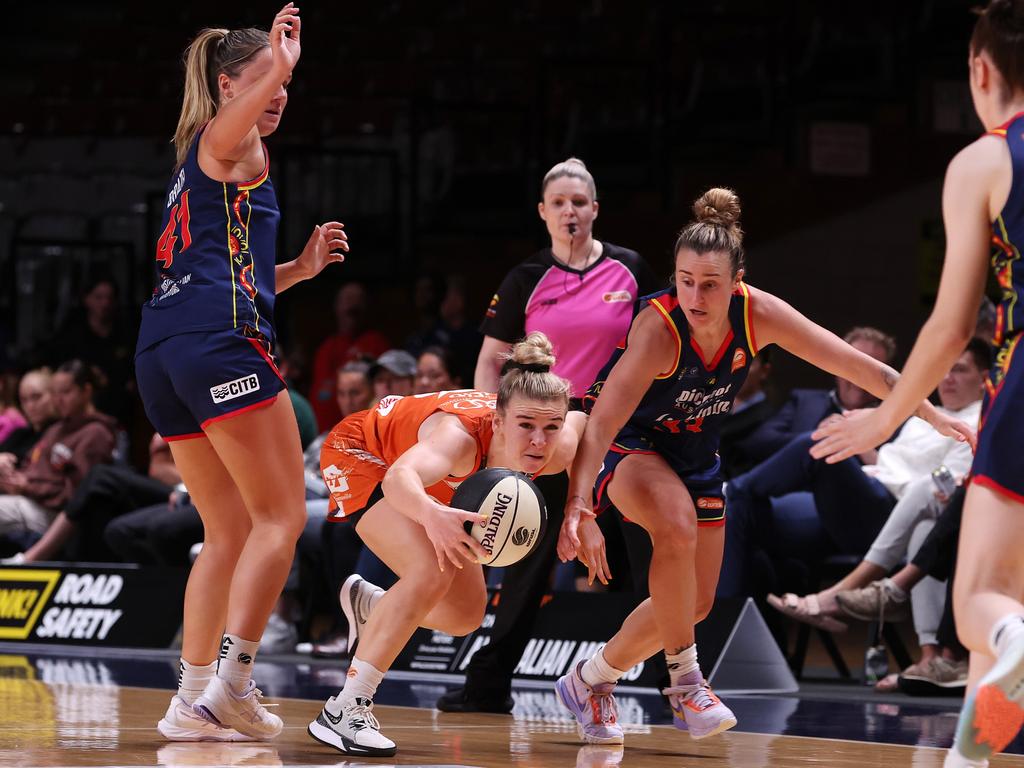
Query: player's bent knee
x: 675, y: 535
x: 431, y: 584
x: 473, y: 617
x: 288, y: 522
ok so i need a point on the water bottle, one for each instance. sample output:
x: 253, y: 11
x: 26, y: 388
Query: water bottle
x: 944, y: 481
x: 876, y: 664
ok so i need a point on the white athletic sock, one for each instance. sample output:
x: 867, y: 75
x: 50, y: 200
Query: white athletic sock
x: 363, y: 679
x: 237, y: 656
x: 683, y: 668
x: 596, y: 670
x: 1005, y: 632
x: 192, y: 679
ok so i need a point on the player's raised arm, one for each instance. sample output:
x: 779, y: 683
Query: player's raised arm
x: 966, y: 210
x: 243, y: 103
x: 779, y: 323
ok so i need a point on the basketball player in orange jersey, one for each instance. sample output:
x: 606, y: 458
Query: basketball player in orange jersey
x: 650, y: 451
x: 206, y: 376
x: 983, y: 209
x: 392, y: 472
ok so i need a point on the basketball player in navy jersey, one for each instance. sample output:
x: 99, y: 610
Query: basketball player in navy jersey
x: 206, y: 375
x: 650, y: 447
x: 983, y: 208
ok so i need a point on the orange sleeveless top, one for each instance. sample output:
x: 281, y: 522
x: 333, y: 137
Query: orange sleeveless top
x: 368, y: 442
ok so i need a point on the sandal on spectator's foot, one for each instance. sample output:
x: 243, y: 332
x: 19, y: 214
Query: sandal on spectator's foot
x: 889, y: 683
x: 806, y: 609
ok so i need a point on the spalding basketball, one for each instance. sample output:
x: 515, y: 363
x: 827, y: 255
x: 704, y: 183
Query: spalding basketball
x: 516, y: 515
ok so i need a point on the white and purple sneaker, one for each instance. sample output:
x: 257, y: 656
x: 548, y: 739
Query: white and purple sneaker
x: 593, y: 707
x: 697, y: 710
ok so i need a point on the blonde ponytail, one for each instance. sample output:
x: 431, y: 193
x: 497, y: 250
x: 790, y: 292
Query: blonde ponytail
x: 212, y: 52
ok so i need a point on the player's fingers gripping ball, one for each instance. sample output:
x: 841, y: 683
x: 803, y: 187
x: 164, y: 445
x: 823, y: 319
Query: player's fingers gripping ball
x: 516, y: 514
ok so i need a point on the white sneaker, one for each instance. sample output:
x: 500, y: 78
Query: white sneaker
x: 180, y: 723
x: 993, y: 715
x: 355, y: 597
x: 354, y: 730
x: 955, y: 760
x: 220, y: 705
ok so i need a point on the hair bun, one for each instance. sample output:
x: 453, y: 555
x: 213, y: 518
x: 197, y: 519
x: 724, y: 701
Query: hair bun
x: 534, y: 350
x: 718, y: 206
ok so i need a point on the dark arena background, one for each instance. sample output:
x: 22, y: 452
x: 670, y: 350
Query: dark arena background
x: 426, y: 127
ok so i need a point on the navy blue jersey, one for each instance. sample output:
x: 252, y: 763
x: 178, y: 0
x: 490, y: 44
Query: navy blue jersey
x: 215, y: 256
x: 999, y: 459
x: 682, y: 412
x: 1007, y: 239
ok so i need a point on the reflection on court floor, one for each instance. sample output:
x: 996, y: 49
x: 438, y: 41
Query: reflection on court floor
x: 75, y: 711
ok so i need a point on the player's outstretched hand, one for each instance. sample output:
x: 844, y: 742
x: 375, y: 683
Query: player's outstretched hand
x: 284, y: 38
x: 323, y: 247
x: 447, y: 533
x: 851, y: 434
x: 950, y: 427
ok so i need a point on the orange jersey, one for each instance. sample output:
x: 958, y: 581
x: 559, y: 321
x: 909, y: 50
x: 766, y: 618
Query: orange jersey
x: 358, y: 451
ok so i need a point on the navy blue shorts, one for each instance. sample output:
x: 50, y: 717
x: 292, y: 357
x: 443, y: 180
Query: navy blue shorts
x: 999, y: 460
x: 189, y: 381
x: 706, y: 487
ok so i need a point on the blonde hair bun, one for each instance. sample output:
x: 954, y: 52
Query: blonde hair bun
x: 527, y: 372
x: 718, y: 206
x: 535, y: 349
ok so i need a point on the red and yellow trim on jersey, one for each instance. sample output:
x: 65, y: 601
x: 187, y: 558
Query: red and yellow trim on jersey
x: 1004, y: 358
x: 718, y: 355
x: 252, y: 288
x: 748, y: 319
x: 1001, y: 130
x: 245, y: 186
x: 1006, y: 278
x: 666, y: 316
x: 231, y: 258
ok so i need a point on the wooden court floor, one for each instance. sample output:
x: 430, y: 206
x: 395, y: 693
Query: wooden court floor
x: 85, y: 724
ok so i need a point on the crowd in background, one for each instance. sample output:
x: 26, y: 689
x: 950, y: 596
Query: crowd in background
x: 71, y: 490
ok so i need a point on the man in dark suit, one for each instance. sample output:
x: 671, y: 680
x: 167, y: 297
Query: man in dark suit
x: 792, y: 528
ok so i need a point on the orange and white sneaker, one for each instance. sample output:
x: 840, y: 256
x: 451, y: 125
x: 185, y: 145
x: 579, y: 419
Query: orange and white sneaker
x: 994, y: 714
x: 697, y: 710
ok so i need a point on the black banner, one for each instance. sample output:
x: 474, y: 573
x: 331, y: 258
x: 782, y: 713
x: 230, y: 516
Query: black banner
x: 570, y: 626
x: 111, y: 605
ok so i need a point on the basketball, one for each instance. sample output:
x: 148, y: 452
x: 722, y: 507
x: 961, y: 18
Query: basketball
x: 516, y: 513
